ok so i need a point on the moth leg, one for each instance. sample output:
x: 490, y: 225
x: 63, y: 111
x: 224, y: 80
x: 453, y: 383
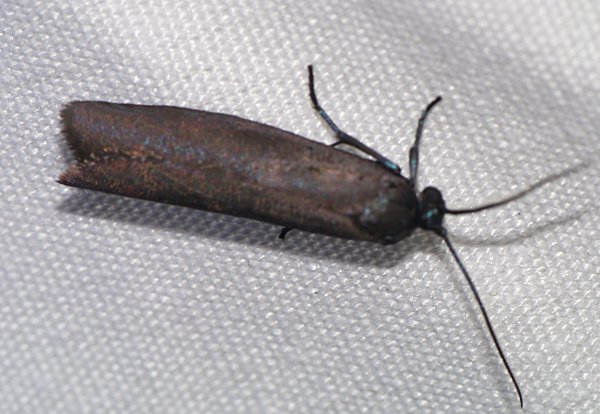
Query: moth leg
x: 343, y: 137
x: 413, y: 155
x: 285, y: 231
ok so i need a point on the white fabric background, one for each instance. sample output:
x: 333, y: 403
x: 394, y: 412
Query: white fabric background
x: 109, y: 304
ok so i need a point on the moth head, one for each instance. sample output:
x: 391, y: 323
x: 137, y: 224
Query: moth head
x: 431, y: 209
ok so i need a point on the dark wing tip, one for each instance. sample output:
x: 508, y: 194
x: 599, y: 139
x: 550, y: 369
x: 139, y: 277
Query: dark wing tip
x: 69, y: 130
x: 71, y: 176
x: 79, y: 120
x: 76, y: 118
x: 68, y: 116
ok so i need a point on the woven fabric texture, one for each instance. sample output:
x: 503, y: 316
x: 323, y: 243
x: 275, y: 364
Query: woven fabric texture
x: 109, y: 304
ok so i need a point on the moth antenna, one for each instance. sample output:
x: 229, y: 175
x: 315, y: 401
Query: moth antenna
x: 443, y: 234
x: 518, y: 195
